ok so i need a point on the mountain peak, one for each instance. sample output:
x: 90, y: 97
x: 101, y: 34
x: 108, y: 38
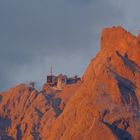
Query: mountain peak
x: 115, y: 37
x: 106, y: 101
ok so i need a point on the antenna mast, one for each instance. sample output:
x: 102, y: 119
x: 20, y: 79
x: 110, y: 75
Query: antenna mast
x: 51, y: 71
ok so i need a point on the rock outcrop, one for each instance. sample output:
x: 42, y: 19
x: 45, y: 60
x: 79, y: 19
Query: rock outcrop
x: 28, y: 114
x: 105, y: 105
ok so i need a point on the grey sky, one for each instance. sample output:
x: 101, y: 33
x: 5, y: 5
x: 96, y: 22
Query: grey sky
x: 35, y: 34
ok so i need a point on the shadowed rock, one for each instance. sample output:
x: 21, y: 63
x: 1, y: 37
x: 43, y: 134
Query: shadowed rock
x: 0, y: 98
x: 19, y: 132
x: 127, y: 91
x: 40, y: 114
x: 4, y: 125
x: 55, y: 102
x: 129, y: 63
x: 120, y: 134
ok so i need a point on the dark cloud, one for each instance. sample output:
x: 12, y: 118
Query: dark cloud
x: 37, y: 34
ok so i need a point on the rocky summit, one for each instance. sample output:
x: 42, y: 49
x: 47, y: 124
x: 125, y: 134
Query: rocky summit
x: 104, y: 105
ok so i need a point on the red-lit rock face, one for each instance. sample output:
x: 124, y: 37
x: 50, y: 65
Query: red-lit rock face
x: 28, y: 114
x: 105, y: 106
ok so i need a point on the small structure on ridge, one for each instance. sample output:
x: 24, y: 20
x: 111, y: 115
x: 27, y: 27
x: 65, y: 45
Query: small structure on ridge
x: 61, y: 80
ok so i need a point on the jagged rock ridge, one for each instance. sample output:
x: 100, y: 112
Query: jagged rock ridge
x: 104, y: 106
x: 27, y: 114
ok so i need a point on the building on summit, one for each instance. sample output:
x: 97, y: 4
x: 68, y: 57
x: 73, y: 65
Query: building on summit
x: 61, y: 80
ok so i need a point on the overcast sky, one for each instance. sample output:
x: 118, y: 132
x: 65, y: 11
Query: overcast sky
x: 64, y: 34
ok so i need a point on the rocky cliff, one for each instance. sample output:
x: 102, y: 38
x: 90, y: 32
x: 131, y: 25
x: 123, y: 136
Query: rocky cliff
x: 28, y: 114
x: 106, y: 106
x: 103, y: 106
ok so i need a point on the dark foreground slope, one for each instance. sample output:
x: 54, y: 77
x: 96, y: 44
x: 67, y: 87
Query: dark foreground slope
x: 106, y: 106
